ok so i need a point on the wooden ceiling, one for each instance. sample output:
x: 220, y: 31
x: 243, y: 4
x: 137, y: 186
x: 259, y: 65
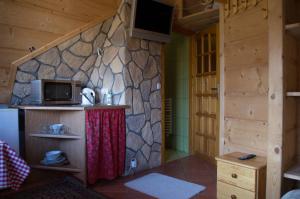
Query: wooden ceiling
x: 34, y: 23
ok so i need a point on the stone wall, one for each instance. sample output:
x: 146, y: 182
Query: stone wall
x: 129, y: 67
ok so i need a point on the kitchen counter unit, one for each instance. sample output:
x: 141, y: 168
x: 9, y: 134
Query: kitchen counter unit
x: 73, y: 142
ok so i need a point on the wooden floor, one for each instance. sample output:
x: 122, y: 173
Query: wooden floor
x: 193, y: 169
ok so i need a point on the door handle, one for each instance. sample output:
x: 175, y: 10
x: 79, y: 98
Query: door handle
x: 217, y: 90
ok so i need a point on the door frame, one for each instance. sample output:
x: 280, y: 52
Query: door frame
x: 190, y: 35
x: 220, y: 62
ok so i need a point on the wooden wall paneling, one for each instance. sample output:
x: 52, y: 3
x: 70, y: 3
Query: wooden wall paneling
x: 14, y: 14
x: 80, y: 10
x: 234, y: 7
x: 275, y: 99
x: 246, y: 53
x: 19, y: 38
x: 245, y: 135
x: 226, y: 8
x: 242, y: 4
x: 246, y: 80
x: 246, y: 107
x: 4, y: 75
x: 245, y: 25
x: 8, y: 55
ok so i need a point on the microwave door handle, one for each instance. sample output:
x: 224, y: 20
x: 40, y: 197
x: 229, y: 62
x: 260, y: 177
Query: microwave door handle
x: 86, y: 97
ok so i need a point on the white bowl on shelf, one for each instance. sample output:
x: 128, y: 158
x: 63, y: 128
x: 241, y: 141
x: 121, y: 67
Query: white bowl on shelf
x: 53, y: 155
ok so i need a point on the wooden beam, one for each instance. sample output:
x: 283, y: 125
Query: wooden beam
x: 222, y: 81
x: 276, y: 99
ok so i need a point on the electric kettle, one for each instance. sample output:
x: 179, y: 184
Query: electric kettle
x: 88, y: 96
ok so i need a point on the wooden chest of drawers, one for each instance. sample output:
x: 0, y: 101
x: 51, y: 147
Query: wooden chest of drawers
x: 241, y: 179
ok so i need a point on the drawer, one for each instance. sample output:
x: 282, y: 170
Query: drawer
x: 226, y: 191
x: 237, y: 175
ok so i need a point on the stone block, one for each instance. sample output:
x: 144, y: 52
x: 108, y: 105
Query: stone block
x: 136, y: 74
x: 46, y: 72
x: 147, y: 133
x: 64, y: 71
x: 71, y: 60
x: 109, y: 54
x: 50, y: 57
x: 90, y: 34
x: 30, y: 66
x: 134, y: 141
x: 82, y: 49
x: 24, y: 77
x: 138, y: 106
x: 21, y: 90
x: 118, y: 86
x: 136, y: 122
x: 68, y: 43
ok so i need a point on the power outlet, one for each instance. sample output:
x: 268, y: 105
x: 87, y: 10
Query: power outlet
x: 133, y: 163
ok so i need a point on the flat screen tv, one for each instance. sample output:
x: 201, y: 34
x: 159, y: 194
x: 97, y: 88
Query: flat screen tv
x: 152, y: 20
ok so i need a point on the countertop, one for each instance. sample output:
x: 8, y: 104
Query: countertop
x: 70, y: 107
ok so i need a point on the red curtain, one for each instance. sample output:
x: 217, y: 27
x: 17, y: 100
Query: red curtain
x: 106, y: 139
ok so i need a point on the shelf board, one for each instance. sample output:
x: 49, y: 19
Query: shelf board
x: 294, y: 29
x: 293, y: 173
x: 64, y: 136
x: 293, y: 94
x: 67, y: 168
x: 200, y: 20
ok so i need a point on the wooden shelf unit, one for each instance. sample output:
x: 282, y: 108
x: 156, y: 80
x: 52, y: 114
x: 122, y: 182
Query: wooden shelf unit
x: 293, y: 173
x: 200, y: 20
x: 66, y: 168
x: 291, y: 105
x: 293, y: 29
x: 73, y: 145
x: 293, y: 94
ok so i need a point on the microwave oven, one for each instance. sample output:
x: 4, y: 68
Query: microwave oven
x: 55, y: 92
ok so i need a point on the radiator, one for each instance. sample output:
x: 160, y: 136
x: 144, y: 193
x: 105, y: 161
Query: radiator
x: 168, y: 116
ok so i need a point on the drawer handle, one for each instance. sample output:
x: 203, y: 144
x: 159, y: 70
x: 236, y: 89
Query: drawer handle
x: 233, y: 197
x: 234, y: 175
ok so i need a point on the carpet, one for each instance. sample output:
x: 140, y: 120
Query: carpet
x: 164, y: 187
x: 65, y: 188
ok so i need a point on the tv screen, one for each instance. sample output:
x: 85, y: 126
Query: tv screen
x: 151, y: 20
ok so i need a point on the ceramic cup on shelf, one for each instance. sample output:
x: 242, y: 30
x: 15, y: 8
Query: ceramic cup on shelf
x: 56, y: 129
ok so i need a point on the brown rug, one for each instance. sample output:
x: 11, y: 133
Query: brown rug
x: 65, y: 188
